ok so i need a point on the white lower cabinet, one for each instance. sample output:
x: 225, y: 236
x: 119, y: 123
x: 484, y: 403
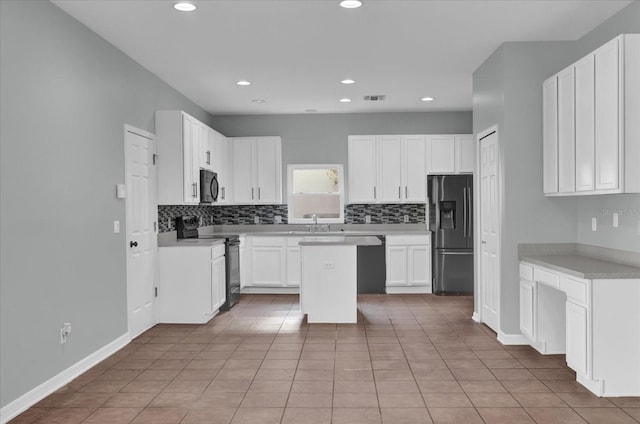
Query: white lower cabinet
x: 408, y: 264
x: 596, y: 323
x: 272, y: 264
x: 192, y: 283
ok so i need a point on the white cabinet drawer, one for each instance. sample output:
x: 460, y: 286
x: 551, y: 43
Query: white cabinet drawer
x: 546, y: 277
x: 268, y: 241
x: 576, y: 290
x: 526, y: 272
x: 217, y: 251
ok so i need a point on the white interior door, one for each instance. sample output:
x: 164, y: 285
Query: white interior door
x: 489, y: 230
x: 142, y: 239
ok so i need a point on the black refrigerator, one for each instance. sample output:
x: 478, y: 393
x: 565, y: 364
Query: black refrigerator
x: 451, y: 222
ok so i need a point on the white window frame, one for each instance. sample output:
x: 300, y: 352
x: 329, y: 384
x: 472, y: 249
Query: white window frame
x: 341, y: 176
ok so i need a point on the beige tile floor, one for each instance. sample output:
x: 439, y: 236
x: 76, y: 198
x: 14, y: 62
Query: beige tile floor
x: 410, y: 359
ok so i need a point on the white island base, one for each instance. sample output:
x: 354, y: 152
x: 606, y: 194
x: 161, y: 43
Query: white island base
x: 329, y: 283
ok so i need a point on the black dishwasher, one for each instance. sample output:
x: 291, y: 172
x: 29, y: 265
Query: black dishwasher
x: 372, y: 270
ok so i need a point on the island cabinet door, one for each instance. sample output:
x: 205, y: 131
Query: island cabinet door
x: 577, y: 353
x: 418, y: 265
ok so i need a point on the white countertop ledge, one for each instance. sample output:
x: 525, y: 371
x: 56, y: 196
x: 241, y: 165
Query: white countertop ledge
x: 340, y: 241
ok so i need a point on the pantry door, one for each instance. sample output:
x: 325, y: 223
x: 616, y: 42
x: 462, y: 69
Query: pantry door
x: 490, y: 212
x: 141, y: 229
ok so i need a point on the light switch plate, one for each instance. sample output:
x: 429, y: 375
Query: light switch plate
x: 278, y: 219
x: 116, y: 227
x: 615, y: 219
x: 594, y: 224
x: 121, y: 191
x: 367, y: 219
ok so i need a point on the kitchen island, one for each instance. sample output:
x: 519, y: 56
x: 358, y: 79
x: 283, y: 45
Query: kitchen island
x: 329, y: 281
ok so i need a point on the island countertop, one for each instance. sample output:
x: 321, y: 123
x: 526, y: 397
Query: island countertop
x: 340, y: 241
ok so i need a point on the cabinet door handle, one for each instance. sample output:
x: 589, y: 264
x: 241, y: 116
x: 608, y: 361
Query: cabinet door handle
x: 398, y: 192
x: 259, y: 193
x: 406, y: 195
x: 222, y: 194
x: 375, y: 196
x: 194, y: 188
x: 208, y: 157
x: 251, y: 193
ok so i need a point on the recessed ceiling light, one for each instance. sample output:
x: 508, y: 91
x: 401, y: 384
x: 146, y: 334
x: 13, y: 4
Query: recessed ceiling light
x: 258, y: 101
x: 184, y: 6
x: 348, y: 81
x: 427, y: 99
x: 243, y: 82
x: 345, y: 100
x: 350, y: 4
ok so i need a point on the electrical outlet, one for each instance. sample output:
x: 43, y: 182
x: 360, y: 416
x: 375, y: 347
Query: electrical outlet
x: 367, y: 219
x: 201, y: 222
x: 65, y: 331
x: 406, y: 218
x: 615, y: 219
x: 169, y: 223
x: 278, y: 219
x: 594, y: 224
x: 256, y: 219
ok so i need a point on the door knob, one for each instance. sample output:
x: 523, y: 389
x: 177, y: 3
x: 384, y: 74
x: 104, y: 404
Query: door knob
x: 133, y: 244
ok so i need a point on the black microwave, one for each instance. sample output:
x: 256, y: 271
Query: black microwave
x: 208, y: 187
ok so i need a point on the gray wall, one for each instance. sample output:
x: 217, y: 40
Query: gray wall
x: 66, y: 95
x: 507, y: 91
x: 322, y: 138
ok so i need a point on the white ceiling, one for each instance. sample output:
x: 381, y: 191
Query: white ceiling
x: 295, y: 52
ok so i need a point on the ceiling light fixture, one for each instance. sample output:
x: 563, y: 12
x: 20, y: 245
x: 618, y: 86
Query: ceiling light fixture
x: 348, y: 81
x: 427, y: 99
x: 350, y: 4
x: 243, y: 82
x: 184, y: 6
x: 345, y: 100
x: 258, y: 101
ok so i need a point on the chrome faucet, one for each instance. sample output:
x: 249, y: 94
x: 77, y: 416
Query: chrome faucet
x: 315, y: 218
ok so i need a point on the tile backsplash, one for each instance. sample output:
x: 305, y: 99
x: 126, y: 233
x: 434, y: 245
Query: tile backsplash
x: 245, y: 214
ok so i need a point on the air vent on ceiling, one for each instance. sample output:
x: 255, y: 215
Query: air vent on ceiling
x: 375, y: 98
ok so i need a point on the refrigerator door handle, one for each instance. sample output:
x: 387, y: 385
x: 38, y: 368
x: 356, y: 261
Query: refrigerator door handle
x: 464, y: 211
x: 469, y: 213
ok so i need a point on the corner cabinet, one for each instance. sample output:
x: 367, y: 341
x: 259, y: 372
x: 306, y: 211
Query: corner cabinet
x: 257, y: 170
x: 192, y: 283
x: 591, y: 130
x: 408, y: 264
x: 387, y: 168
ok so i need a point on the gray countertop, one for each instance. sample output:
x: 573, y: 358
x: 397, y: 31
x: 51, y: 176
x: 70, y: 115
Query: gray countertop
x: 584, y: 267
x: 338, y: 240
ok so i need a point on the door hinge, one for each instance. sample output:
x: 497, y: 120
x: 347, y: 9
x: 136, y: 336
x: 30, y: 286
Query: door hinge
x: 154, y: 158
x: 155, y: 291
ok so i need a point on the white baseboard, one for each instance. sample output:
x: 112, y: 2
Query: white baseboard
x: 35, y: 395
x: 475, y: 317
x: 512, y: 339
x: 270, y: 290
x: 408, y: 290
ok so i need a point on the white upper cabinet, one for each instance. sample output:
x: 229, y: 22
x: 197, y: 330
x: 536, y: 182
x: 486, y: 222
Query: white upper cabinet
x: 607, y: 117
x: 390, y: 169
x: 591, y: 136
x: 222, y: 165
x: 550, y: 135
x: 387, y: 168
x: 206, y: 147
x: 362, y: 169
x: 585, y: 128
x: 450, y: 154
x: 566, y: 132
x: 257, y: 170
x: 179, y: 138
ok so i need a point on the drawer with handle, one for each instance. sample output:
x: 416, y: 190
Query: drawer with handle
x: 546, y: 277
